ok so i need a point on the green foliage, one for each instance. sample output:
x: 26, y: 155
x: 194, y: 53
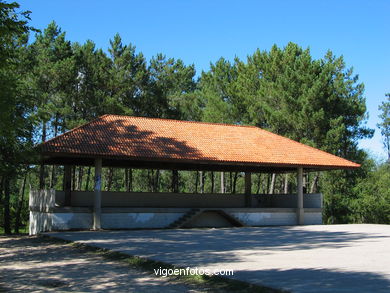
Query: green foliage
x: 51, y: 85
x: 384, y: 125
x: 373, y: 196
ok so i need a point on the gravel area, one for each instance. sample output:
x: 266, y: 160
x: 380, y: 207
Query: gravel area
x: 31, y: 264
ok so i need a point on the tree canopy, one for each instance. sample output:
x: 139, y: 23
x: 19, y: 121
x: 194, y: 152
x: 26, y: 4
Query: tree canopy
x: 51, y: 84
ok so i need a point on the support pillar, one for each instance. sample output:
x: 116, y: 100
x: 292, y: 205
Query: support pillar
x: 97, y: 203
x: 248, y: 189
x: 300, y: 210
x: 68, y: 185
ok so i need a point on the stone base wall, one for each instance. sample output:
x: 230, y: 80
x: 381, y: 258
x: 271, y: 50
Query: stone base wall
x: 137, y: 218
x: 288, y: 218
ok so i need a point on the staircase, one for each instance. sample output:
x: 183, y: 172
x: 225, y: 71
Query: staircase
x: 186, y: 218
x: 232, y: 219
x: 193, y: 213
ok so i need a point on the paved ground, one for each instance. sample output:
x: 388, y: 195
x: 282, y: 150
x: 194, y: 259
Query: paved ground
x: 33, y: 265
x: 323, y: 258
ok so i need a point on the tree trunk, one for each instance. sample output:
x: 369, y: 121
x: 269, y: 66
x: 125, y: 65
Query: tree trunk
x: 88, y: 178
x: 222, y: 182
x: 175, y: 181
x: 130, y: 186
x: 157, y: 181
x: 126, y: 180
x: 73, y: 177
x: 258, y: 184
x: 109, y: 178
x: 272, y: 186
x: 1, y: 189
x: 235, y: 182
x: 7, y: 216
x: 230, y: 182
x: 54, y: 168
x: 313, y: 187
x: 196, y: 181
x: 149, y: 180
x: 286, y: 184
x: 129, y: 180
x: 20, y: 203
x: 201, y: 173
x: 212, y: 182
x: 42, y: 167
x: 305, y: 183
x: 80, y: 179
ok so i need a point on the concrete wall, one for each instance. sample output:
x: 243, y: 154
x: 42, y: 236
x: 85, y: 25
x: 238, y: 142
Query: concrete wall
x: 146, y: 199
x: 267, y: 218
x: 42, y: 200
x: 277, y: 218
x: 40, y: 222
x: 310, y: 200
x: 114, y: 218
x: 138, y: 210
x: 138, y: 220
x: 313, y: 218
x: 69, y: 221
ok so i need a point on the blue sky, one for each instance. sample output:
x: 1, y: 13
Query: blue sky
x: 200, y: 32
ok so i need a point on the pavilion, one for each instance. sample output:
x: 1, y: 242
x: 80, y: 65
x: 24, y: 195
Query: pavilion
x: 151, y: 143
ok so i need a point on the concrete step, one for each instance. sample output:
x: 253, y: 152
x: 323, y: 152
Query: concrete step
x: 186, y: 218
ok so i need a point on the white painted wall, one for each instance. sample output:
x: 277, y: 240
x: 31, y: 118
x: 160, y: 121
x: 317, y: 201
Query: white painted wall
x: 41, y: 221
x: 68, y: 221
x: 138, y: 220
x: 314, y: 218
x: 277, y: 218
x: 266, y: 219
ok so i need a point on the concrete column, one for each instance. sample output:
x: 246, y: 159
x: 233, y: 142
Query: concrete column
x: 300, y: 211
x: 248, y: 189
x: 68, y: 185
x: 97, y: 203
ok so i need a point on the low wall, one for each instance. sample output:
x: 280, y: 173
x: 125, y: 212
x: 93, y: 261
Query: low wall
x: 177, y: 200
x: 276, y: 217
x: 60, y: 220
x: 310, y: 200
x: 46, y: 215
x: 147, y: 199
x: 138, y: 220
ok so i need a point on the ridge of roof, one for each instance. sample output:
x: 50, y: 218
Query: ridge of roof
x: 182, y: 121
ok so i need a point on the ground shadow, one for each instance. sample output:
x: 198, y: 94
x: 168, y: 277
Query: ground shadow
x: 36, y: 265
x: 236, y: 247
x: 317, y: 280
x: 220, y: 243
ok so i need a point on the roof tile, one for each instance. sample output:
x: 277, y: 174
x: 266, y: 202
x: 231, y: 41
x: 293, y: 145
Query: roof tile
x: 153, y: 138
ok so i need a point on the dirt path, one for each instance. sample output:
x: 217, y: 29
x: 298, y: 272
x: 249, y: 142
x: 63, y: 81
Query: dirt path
x: 30, y: 264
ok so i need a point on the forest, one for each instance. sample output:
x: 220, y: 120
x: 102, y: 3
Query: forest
x: 49, y: 85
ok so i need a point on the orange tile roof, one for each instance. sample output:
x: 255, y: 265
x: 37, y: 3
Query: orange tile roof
x: 163, y: 139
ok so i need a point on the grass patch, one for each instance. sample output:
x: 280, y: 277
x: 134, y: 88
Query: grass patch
x: 217, y: 283
x: 22, y: 231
